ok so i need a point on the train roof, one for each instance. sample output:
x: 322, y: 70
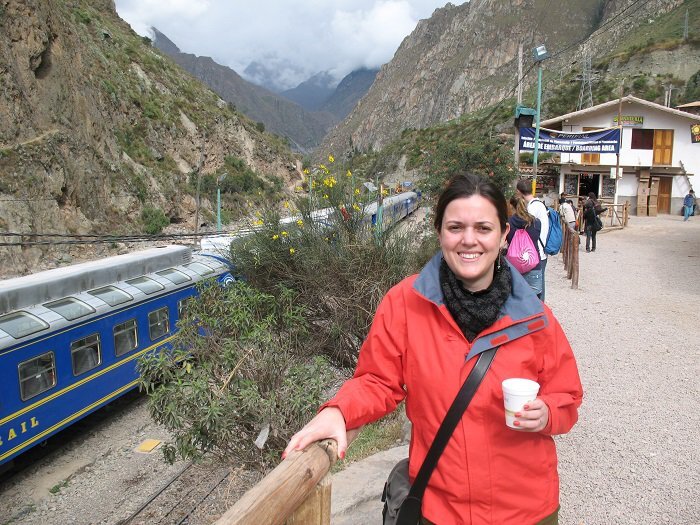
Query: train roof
x: 20, y: 292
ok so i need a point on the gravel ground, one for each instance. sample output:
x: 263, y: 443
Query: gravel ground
x: 633, y: 323
x: 631, y: 459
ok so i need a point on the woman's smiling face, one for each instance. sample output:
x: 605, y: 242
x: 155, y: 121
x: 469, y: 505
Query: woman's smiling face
x: 471, y: 238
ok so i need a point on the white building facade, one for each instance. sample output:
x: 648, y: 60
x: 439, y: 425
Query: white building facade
x: 657, y: 145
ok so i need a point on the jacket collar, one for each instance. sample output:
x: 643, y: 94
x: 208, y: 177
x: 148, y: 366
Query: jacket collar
x: 518, y: 316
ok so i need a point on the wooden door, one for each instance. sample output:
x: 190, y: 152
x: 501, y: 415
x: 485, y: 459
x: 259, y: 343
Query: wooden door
x: 664, y: 200
x: 663, y: 147
x: 590, y: 158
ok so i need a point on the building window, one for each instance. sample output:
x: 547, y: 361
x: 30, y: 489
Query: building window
x: 85, y: 354
x: 37, y: 375
x: 125, y: 337
x: 158, y: 324
x: 642, y: 138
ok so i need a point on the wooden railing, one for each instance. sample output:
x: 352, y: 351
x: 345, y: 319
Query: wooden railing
x: 617, y: 215
x: 569, y: 250
x: 296, y: 492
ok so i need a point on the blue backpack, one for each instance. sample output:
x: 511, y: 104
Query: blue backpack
x: 554, y: 236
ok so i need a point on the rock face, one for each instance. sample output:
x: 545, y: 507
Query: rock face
x: 465, y: 57
x: 95, y: 124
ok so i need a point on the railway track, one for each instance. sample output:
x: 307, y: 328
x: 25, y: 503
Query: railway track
x: 180, y: 500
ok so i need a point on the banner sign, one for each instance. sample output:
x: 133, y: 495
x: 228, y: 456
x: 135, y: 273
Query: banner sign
x: 630, y: 121
x: 601, y: 141
x: 695, y: 133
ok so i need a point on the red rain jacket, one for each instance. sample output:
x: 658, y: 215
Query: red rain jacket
x: 488, y: 473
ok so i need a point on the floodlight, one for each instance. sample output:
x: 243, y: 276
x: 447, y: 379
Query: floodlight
x: 540, y: 53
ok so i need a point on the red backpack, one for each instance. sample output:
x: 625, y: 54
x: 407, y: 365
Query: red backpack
x: 522, y: 253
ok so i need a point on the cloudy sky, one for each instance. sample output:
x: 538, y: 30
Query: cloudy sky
x: 296, y: 38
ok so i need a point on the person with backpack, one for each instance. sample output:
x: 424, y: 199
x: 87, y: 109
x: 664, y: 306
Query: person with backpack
x: 591, y: 220
x: 538, y: 209
x: 521, y: 221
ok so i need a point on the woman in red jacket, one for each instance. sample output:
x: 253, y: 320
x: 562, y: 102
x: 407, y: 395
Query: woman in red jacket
x: 423, y: 342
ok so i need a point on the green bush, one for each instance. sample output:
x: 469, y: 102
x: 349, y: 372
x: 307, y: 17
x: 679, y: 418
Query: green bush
x: 248, y: 377
x: 154, y: 220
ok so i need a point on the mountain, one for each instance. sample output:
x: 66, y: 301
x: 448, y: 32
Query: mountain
x: 349, y: 92
x: 312, y: 93
x: 322, y: 92
x: 303, y: 128
x: 97, y: 127
x: 464, y: 58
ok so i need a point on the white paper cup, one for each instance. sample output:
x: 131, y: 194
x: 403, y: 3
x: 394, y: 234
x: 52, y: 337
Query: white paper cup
x: 516, y: 393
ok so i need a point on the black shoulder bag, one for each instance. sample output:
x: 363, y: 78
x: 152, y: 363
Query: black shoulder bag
x: 402, y: 501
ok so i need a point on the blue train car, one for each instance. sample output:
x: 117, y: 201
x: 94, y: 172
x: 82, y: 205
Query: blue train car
x: 70, y: 337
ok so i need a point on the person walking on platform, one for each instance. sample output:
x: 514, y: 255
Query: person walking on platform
x: 688, y: 205
x: 428, y: 333
x: 591, y: 220
x: 567, y: 210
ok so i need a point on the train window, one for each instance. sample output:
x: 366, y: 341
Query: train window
x: 146, y: 285
x: 158, y: 324
x: 174, y: 276
x: 70, y: 308
x: 85, y: 354
x: 201, y: 269
x: 37, y: 375
x: 182, y: 306
x: 125, y: 337
x: 111, y: 295
x: 20, y: 324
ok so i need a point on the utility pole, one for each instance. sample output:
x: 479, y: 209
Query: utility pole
x: 585, y: 96
x: 519, y: 92
x: 619, y: 126
x: 520, y: 74
x: 200, y: 165
x: 539, y: 54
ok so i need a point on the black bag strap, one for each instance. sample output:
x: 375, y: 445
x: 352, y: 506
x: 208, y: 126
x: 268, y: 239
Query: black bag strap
x: 409, y: 513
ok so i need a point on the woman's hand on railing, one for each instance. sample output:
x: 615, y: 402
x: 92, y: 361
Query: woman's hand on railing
x: 329, y: 423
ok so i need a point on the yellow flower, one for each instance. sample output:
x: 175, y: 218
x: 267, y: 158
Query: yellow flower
x: 306, y: 171
x: 300, y: 223
x: 258, y: 214
x: 325, y: 239
x: 286, y: 204
x: 325, y: 196
x: 299, y: 188
x: 385, y: 192
x: 284, y: 234
x: 313, y: 185
x: 355, y: 207
x: 349, y: 173
x: 275, y: 237
x: 331, y: 159
x: 329, y: 181
x: 323, y: 167
x: 291, y: 251
x: 357, y: 191
x: 258, y: 222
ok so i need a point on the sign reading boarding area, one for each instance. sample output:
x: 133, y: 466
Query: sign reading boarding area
x: 601, y: 141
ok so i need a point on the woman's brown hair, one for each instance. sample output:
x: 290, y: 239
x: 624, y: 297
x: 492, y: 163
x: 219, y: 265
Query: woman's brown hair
x: 517, y: 203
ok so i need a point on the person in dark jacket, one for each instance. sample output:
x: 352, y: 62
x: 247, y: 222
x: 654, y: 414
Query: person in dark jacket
x: 520, y: 218
x: 590, y: 213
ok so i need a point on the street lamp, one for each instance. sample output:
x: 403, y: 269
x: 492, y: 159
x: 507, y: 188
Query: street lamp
x: 539, y: 54
x: 218, y: 200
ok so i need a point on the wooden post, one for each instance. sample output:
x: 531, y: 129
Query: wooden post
x: 284, y: 490
x: 574, y: 275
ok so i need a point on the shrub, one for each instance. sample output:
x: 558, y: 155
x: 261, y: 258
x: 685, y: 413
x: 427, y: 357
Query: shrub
x: 247, y: 380
x: 154, y: 220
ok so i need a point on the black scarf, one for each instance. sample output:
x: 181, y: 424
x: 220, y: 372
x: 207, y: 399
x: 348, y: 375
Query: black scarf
x: 475, y: 311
